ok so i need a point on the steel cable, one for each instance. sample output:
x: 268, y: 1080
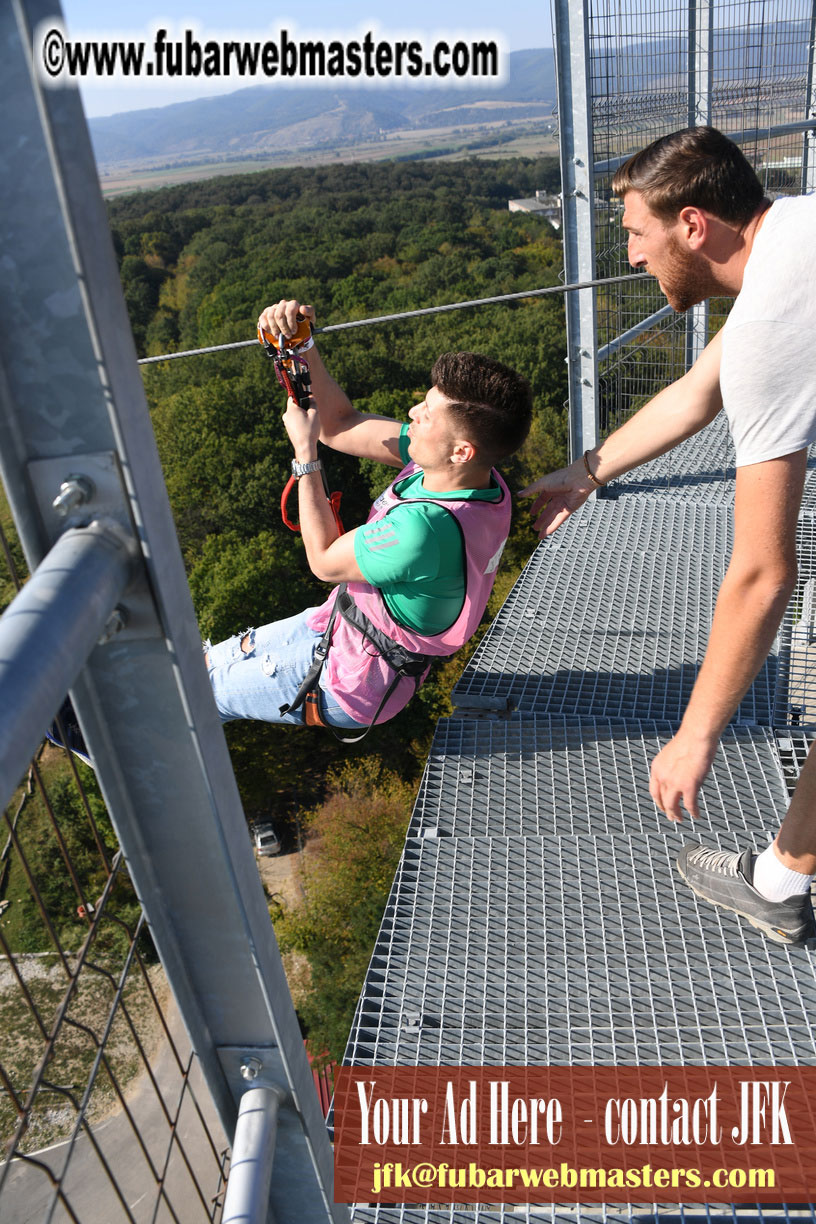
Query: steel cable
x: 404, y: 314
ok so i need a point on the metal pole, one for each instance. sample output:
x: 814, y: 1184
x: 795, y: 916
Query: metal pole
x: 253, y: 1152
x: 809, y: 142
x: 571, y: 39
x: 48, y: 631
x: 700, y: 69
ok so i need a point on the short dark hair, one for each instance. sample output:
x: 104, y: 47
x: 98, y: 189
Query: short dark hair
x: 697, y: 166
x: 490, y: 403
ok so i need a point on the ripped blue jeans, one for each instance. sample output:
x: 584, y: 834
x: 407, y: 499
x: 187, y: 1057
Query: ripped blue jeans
x: 256, y: 682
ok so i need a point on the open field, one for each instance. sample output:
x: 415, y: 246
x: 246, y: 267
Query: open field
x: 498, y: 139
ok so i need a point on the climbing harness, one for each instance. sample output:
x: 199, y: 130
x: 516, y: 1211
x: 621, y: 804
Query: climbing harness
x: 295, y: 378
x: 401, y: 661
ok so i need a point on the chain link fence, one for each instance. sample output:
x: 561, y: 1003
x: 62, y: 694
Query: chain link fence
x: 103, y: 1114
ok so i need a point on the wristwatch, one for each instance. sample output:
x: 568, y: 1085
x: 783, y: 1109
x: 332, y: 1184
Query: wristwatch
x: 301, y: 469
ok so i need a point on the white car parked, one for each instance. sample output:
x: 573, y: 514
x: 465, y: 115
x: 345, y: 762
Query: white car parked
x: 264, y: 838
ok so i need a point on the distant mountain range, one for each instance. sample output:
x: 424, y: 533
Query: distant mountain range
x: 629, y: 76
x: 267, y: 119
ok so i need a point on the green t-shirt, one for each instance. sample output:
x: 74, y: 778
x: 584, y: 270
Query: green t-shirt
x: 415, y: 555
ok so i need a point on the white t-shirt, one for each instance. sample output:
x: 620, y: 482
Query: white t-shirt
x: 768, y: 367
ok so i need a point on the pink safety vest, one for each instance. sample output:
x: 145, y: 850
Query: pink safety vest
x: 356, y: 675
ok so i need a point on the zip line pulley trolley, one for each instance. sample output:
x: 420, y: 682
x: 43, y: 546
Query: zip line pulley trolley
x: 295, y: 377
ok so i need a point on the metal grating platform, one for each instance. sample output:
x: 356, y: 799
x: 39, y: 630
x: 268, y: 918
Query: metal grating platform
x: 733, y: 1046
x: 809, y: 495
x: 550, y: 775
x: 623, y: 656
x: 411, y: 1214
x: 796, y: 677
x: 504, y: 942
x: 649, y: 525
x: 572, y: 935
x: 586, y: 628
x: 793, y: 746
x: 701, y: 470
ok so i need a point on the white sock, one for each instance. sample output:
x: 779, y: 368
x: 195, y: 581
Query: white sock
x: 774, y: 880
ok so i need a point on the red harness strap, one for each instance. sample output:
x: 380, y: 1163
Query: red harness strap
x: 332, y: 498
x: 293, y: 375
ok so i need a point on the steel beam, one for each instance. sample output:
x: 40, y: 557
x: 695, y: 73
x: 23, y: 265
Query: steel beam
x: 699, y: 62
x: 49, y: 629
x: 809, y: 140
x: 571, y: 37
x: 700, y: 91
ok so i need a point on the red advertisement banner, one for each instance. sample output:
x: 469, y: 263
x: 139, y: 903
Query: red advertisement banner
x: 575, y: 1134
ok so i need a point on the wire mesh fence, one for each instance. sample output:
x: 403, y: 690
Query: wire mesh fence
x: 103, y: 1114
x: 742, y: 66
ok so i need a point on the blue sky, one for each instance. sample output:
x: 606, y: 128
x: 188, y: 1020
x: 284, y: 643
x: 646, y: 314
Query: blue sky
x: 524, y: 24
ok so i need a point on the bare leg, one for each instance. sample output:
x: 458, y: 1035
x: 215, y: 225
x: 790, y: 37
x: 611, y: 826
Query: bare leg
x: 795, y: 843
x: 245, y: 647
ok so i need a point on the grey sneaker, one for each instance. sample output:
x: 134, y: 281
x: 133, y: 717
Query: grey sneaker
x: 724, y: 877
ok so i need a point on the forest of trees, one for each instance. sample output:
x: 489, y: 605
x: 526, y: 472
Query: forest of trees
x: 198, y: 262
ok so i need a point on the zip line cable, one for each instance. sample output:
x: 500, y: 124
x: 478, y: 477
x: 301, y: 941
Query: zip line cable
x: 405, y: 314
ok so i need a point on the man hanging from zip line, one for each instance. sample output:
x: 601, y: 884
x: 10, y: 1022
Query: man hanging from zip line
x: 411, y: 584
x: 699, y: 222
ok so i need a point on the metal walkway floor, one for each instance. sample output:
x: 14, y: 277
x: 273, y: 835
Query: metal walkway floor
x: 545, y: 937
x: 700, y: 470
x: 536, y: 915
x: 611, y: 617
